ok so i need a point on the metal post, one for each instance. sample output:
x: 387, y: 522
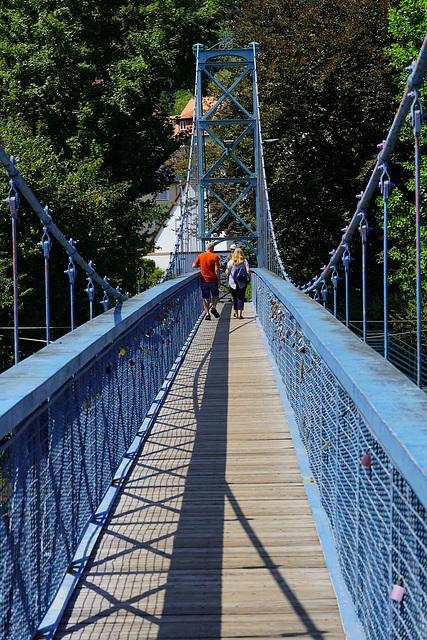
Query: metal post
x: 385, y: 187
x: 105, y: 300
x: 363, y: 230
x: 71, y: 271
x: 91, y: 295
x: 46, y: 244
x: 335, y: 278
x: 13, y: 204
x: 90, y: 292
x: 346, y: 261
x: 385, y: 278
x: 324, y: 292
x: 417, y: 119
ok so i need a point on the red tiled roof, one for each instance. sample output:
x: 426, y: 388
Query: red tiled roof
x: 187, y: 113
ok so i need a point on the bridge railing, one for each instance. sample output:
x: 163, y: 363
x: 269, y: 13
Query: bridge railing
x: 364, y: 429
x: 68, y: 414
x: 400, y: 354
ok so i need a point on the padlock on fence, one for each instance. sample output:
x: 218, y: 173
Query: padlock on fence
x: 398, y: 591
x: 366, y: 460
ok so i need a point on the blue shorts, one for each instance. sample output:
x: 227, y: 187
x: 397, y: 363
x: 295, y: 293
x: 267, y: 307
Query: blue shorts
x: 209, y: 288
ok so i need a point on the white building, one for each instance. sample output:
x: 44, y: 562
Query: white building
x: 165, y: 235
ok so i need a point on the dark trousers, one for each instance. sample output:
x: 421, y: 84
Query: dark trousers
x: 238, y: 296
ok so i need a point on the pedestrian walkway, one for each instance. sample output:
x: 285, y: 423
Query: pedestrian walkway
x: 212, y: 535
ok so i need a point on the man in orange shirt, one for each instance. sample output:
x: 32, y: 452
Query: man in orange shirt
x: 211, y: 278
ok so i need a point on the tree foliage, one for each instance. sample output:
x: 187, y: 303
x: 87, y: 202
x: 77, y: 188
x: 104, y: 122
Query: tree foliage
x: 408, y: 27
x: 84, y: 87
x: 326, y: 92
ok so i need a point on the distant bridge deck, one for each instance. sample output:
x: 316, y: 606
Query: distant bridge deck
x: 212, y: 534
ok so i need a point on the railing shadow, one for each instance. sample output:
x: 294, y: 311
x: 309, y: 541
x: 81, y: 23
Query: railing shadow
x: 207, y: 492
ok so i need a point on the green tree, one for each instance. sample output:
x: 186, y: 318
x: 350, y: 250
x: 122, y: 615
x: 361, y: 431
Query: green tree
x: 408, y: 27
x: 327, y: 92
x: 91, y: 74
x: 83, y: 86
x: 152, y: 274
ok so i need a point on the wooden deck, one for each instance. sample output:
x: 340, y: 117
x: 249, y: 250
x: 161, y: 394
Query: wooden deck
x: 212, y: 535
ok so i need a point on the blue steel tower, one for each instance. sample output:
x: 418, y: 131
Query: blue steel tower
x: 228, y: 145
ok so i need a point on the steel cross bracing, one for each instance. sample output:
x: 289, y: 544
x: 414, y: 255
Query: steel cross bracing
x: 226, y: 193
x: 227, y: 137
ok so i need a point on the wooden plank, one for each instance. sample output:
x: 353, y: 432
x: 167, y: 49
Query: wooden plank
x: 212, y: 535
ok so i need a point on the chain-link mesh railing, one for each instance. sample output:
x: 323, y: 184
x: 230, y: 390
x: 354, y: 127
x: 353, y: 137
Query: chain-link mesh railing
x: 378, y: 522
x: 57, y: 463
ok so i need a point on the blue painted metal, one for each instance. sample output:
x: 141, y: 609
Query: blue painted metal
x: 386, y: 187
x: 364, y: 230
x: 262, y: 240
x: 211, y: 126
x: 105, y: 299
x: 347, y: 399
x: 346, y: 259
x: 400, y: 354
x: 13, y: 202
x: 68, y: 414
x: 71, y: 272
x: 46, y: 245
x: 351, y: 624
x: 90, y: 290
x: 90, y: 535
x: 417, y: 117
x: 335, y: 278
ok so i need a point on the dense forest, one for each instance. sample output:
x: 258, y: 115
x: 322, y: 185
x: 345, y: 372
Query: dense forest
x: 87, y: 88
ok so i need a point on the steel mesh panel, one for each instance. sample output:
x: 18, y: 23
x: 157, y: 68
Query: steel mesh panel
x: 56, y: 465
x: 378, y: 523
x: 409, y: 540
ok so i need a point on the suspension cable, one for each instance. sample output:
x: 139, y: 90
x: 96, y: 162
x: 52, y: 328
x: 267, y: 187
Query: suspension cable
x: 174, y: 266
x: 262, y: 184
x: 414, y: 81
x: 13, y: 173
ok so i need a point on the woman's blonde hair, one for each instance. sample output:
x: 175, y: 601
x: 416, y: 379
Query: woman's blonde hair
x: 238, y: 257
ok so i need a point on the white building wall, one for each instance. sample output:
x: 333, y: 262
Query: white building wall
x: 166, y: 236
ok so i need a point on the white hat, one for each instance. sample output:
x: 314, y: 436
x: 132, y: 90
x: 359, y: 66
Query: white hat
x: 233, y: 246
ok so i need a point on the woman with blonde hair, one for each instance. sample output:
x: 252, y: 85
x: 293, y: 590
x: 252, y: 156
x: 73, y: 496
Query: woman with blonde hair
x: 239, y: 276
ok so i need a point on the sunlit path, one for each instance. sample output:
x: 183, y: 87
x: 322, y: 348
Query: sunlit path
x: 212, y: 535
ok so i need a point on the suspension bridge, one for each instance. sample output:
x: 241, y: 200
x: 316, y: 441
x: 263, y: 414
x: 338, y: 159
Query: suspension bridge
x: 166, y: 477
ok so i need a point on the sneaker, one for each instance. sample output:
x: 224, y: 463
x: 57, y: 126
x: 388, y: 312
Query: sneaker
x: 207, y: 317
x: 215, y: 312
